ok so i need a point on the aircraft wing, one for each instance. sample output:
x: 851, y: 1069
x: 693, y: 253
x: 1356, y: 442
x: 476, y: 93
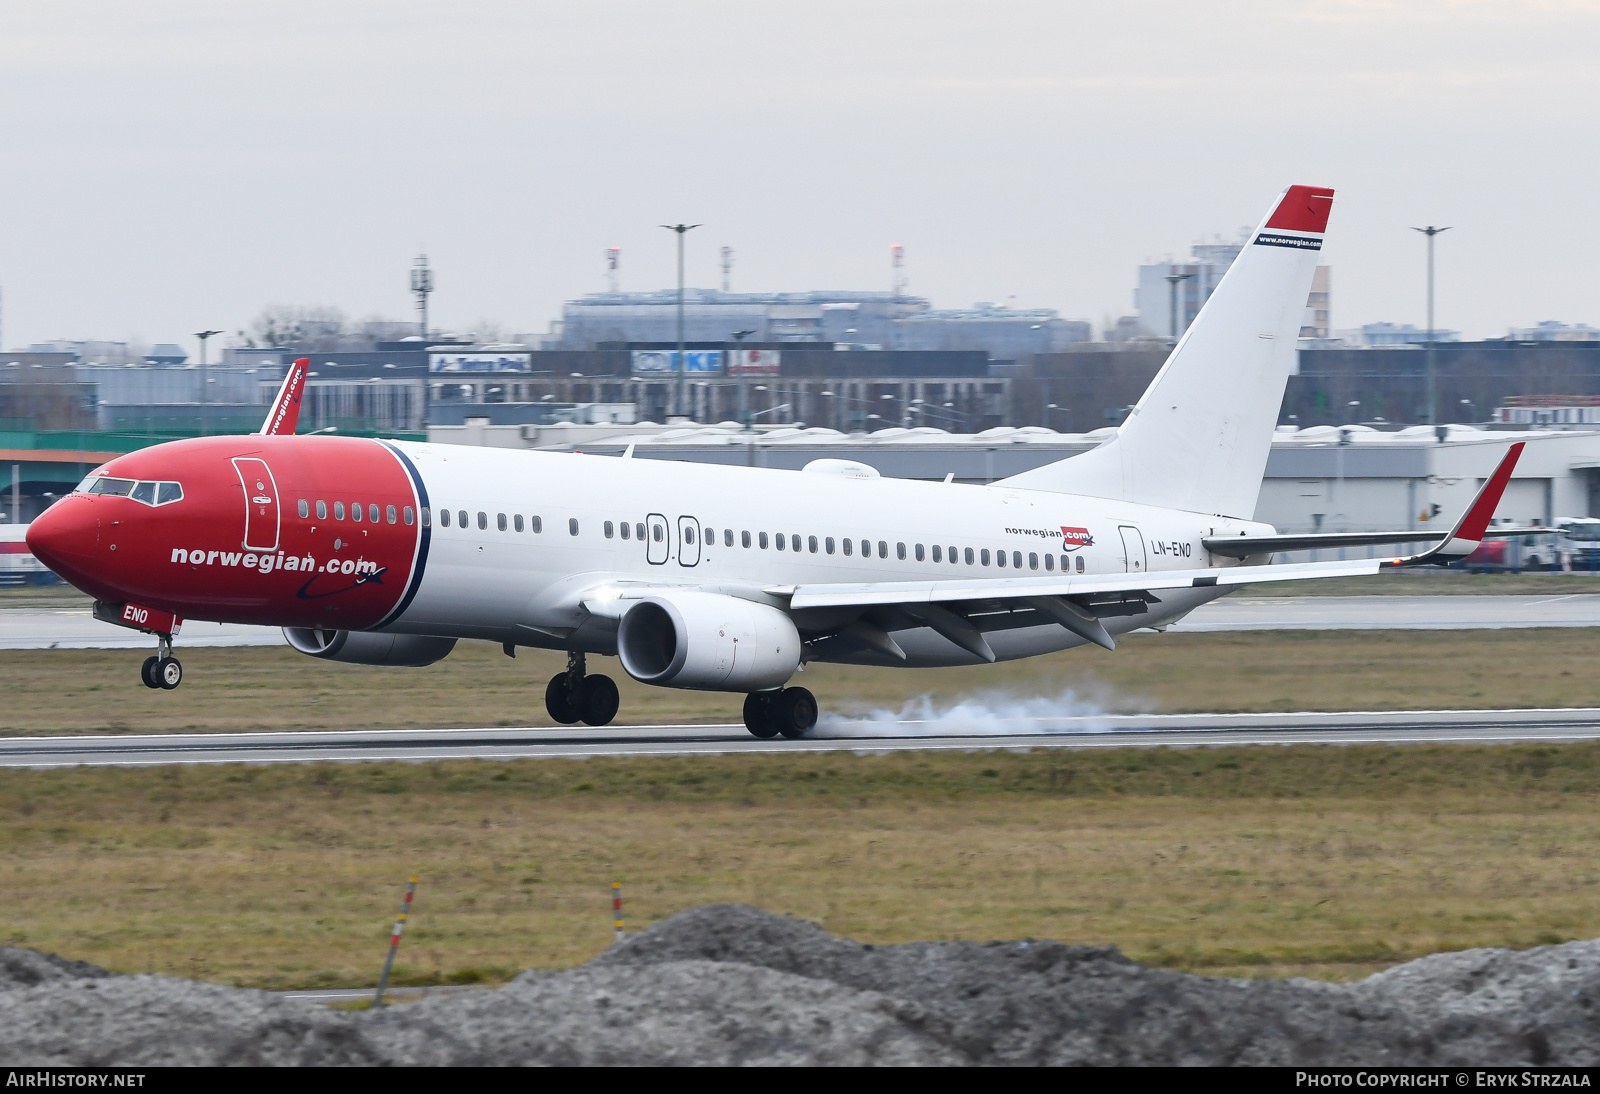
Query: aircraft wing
x: 1077, y: 602
x: 1472, y: 529
x: 869, y: 594
x: 285, y: 412
x: 1245, y: 546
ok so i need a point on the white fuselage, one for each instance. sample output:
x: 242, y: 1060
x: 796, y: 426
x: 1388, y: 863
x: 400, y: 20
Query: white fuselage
x: 718, y: 527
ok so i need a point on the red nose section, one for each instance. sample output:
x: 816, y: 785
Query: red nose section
x: 64, y: 536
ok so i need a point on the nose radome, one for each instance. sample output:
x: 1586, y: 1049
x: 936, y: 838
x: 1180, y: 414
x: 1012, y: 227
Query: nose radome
x: 64, y: 534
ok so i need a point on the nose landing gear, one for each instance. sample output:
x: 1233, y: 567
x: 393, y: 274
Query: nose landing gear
x: 789, y: 711
x: 163, y: 670
x: 575, y: 696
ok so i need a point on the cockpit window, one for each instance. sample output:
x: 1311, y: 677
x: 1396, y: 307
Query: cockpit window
x: 150, y: 493
x: 88, y: 481
x: 116, y: 488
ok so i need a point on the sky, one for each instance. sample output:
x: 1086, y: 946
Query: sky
x: 168, y: 166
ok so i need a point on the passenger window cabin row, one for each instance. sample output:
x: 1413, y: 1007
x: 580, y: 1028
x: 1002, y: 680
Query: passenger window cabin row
x: 362, y: 511
x: 462, y: 519
x: 782, y: 541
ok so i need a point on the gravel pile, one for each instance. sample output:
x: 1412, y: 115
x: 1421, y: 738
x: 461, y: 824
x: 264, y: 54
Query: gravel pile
x: 728, y: 984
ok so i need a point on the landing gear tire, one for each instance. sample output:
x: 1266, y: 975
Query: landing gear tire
x: 597, y: 700
x: 758, y: 714
x: 147, y: 672
x: 795, y: 712
x: 168, y: 673
x: 558, y: 701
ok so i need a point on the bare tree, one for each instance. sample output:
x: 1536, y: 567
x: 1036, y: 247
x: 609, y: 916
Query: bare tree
x: 313, y: 329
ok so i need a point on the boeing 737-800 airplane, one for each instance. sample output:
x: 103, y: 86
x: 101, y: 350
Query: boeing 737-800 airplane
x: 725, y: 578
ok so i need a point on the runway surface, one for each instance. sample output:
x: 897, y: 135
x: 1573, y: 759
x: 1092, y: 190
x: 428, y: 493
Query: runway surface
x: 1244, y: 612
x: 75, y: 628
x: 833, y: 735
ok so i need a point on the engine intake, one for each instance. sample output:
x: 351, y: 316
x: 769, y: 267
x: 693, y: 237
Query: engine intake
x: 365, y: 648
x: 707, y: 641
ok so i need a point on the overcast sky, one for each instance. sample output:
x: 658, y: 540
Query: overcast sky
x: 171, y: 165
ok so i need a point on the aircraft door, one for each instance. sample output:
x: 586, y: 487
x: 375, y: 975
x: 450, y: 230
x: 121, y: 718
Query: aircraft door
x: 260, y: 504
x: 1133, y: 559
x: 688, y: 541
x: 658, y: 541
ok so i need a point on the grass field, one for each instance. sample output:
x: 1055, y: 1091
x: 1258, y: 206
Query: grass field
x: 241, y: 688
x: 1331, y: 862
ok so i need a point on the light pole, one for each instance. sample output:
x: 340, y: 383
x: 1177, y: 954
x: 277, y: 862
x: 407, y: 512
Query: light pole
x: 678, y: 367
x: 205, y: 375
x: 744, y: 408
x: 421, y: 286
x: 1176, y: 279
x: 1430, y: 231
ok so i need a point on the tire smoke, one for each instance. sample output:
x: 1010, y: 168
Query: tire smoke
x: 985, y: 713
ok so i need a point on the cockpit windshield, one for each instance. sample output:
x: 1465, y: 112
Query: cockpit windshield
x: 148, y: 492
x: 115, y: 488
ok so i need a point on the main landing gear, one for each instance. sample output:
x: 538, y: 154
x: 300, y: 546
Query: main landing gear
x: 789, y: 711
x: 574, y: 696
x: 163, y: 670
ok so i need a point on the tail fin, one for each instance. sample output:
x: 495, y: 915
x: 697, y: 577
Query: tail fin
x: 1199, y: 438
x: 285, y: 412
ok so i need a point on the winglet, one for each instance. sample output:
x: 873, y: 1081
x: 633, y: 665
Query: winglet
x: 285, y: 412
x: 1469, y: 531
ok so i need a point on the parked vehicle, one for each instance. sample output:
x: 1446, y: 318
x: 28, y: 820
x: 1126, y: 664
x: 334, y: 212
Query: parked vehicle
x: 1518, y: 555
x: 1578, y: 546
x: 17, y: 564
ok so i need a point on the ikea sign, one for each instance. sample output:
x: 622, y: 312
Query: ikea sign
x: 666, y: 360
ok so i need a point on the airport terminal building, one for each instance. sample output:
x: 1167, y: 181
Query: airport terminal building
x: 1322, y: 479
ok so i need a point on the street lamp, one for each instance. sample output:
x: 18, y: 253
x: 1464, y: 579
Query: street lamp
x: 1176, y: 279
x: 1430, y: 231
x: 204, y: 375
x: 203, y: 335
x: 1472, y: 410
x: 744, y: 404
x: 677, y: 393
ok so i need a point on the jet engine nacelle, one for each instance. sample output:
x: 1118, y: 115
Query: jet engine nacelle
x: 363, y: 648
x: 707, y: 641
